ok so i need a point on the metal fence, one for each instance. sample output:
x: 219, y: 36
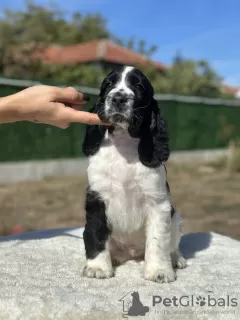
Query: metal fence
x: 193, y: 122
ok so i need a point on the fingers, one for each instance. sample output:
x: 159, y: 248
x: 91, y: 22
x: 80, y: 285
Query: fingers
x: 59, y: 124
x: 70, y: 115
x: 70, y: 95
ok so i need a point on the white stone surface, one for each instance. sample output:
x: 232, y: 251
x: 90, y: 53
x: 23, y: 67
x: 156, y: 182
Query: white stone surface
x: 40, y: 278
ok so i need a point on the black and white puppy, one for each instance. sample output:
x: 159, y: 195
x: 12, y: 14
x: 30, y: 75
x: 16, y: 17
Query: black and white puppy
x: 129, y: 214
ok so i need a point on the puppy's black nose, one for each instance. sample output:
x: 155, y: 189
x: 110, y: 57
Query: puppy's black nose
x: 119, y: 100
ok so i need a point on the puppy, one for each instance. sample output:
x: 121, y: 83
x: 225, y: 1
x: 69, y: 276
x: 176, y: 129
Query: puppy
x: 129, y: 214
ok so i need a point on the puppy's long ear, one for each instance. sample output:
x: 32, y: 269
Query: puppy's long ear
x: 153, y: 147
x: 93, y: 136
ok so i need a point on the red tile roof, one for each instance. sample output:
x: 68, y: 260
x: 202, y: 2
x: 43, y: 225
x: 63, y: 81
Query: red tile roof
x: 99, y: 50
x: 233, y: 91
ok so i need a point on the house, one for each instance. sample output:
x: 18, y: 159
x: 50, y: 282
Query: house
x: 102, y: 53
x: 231, y: 91
x: 106, y: 54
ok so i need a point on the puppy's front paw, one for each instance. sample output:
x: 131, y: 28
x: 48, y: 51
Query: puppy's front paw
x: 94, y: 272
x: 158, y: 274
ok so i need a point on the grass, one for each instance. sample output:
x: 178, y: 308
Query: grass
x: 207, y: 201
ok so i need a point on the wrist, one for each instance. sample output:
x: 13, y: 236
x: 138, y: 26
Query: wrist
x: 9, y: 110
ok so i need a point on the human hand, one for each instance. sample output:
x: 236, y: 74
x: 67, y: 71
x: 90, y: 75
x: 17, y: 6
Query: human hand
x: 49, y: 105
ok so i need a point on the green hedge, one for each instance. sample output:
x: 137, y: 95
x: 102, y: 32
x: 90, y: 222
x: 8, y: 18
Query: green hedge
x: 199, y: 126
x: 191, y: 126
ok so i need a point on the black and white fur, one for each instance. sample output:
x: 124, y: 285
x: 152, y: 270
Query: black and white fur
x: 128, y: 207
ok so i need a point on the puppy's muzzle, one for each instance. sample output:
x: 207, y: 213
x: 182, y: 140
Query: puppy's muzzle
x: 119, y: 101
x: 121, y: 107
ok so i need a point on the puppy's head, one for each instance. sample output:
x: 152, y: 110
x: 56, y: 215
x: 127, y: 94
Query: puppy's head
x: 126, y: 100
x: 124, y: 97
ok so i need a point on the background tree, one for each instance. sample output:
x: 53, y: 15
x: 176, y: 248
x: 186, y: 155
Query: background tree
x: 186, y: 77
x: 138, y: 46
x: 23, y: 33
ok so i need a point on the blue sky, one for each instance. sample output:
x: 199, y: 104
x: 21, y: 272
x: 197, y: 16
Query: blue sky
x: 208, y: 29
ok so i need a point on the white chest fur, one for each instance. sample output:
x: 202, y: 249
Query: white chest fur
x: 127, y: 187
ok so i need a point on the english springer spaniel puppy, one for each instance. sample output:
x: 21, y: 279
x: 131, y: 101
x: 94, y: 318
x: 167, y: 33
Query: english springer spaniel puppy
x: 129, y: 214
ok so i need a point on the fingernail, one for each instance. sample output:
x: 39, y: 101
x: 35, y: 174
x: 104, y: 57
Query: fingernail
x: 86, y: 97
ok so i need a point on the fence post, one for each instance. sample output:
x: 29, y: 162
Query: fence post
x: 230, y: 156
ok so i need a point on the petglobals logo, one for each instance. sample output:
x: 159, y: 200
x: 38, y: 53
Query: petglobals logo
x: 134, y: 304
x: 191, y: 301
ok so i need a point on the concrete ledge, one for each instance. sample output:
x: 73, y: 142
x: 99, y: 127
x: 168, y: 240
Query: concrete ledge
x: 37, y: 170
x: 198, y: 155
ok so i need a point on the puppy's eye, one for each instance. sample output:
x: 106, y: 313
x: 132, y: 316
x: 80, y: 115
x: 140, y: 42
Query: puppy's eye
x: 109, y: 84
x: 139, y: 85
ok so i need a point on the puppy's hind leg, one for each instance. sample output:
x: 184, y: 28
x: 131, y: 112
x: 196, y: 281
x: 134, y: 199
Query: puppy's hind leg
x: 177, y: 259
x: 96, y: 235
